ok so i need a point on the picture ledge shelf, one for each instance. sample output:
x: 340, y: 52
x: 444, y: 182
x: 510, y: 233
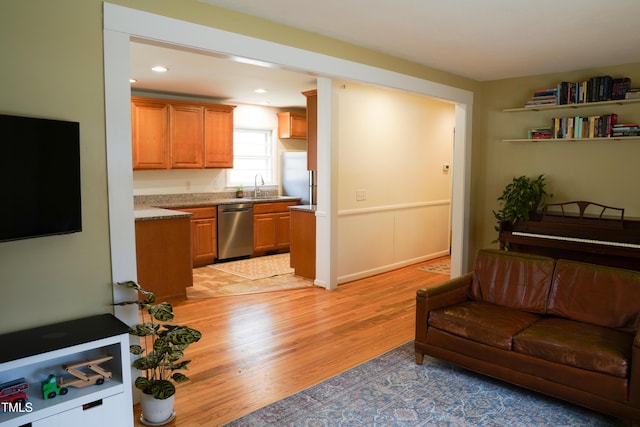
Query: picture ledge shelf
x: 572, y: 106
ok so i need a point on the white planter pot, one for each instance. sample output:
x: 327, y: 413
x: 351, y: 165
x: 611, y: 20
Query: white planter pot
x: 156, y: 412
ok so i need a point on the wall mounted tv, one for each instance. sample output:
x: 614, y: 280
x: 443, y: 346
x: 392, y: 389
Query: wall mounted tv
x: 39, y: 177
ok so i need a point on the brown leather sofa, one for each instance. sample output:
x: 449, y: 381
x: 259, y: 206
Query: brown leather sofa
x: 563, y: 328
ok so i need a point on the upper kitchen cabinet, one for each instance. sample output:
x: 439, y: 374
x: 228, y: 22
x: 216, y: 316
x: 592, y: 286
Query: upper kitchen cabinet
x: 312, y: 129
x: 170, y: 134
x: 150, y: 133
x: 186, y: 124
x: 292, y: 125
x: 218, y: 136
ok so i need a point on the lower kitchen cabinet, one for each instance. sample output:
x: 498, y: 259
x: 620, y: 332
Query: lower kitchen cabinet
x: 163, y: 256
x: 204, y: 245
x: 303, y: 242
x: 271, y: 227
x: 44, y: 350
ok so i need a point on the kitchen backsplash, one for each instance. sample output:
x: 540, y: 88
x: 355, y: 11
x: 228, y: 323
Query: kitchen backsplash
x: 162, y: 199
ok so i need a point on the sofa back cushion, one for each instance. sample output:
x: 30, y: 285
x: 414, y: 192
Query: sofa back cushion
x: 596, y: 294
x: 512, y: 279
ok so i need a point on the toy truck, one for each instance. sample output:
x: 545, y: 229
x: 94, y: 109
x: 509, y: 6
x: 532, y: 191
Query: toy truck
x: 14, y: 391
x: 53, y: 386
x: 98, y: 375
x: 51, y: 389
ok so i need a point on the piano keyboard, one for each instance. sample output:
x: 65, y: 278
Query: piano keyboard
x: 577, y: 239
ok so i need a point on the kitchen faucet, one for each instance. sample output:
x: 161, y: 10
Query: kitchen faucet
x: 256, y: 189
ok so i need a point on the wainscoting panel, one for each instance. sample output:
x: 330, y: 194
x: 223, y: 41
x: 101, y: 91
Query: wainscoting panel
x: 375, y: 240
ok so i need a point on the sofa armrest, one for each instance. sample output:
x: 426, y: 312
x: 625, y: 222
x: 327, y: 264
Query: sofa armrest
x: 437, y: 296
x: 634, y: 376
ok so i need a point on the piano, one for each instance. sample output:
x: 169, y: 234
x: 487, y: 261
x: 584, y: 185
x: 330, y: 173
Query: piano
x: 577, y: 230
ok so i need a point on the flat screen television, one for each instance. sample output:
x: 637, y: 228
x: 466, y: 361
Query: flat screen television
x: 39, y: 177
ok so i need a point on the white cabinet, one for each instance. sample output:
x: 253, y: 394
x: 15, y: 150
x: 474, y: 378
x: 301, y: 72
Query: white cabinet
x: 36, y: 353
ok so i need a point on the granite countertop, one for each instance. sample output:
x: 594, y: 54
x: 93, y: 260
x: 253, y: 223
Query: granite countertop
x: 164, y: 206
x: 145, y: 213
x: 304, y: 208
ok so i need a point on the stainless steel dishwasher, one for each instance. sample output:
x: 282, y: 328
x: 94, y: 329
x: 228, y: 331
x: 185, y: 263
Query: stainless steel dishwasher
x: 235, y: 230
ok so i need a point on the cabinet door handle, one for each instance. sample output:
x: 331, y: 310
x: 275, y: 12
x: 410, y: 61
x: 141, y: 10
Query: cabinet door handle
x: 92, y: 404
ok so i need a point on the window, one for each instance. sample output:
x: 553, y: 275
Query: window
x: 252, y: 155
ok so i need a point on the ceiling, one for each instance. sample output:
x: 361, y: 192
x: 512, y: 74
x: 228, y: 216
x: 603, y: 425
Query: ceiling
x: 487, y: 40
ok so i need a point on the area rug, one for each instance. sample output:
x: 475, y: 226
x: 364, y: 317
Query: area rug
x: 210, y: 287
x: 391, y: 390
x: 264, y: 274
x: 257, y: 268
x: 438, y: 267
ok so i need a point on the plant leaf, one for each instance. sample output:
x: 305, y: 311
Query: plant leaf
x: 162, y: 389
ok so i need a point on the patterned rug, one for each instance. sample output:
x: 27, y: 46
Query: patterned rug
x: 257, y: 268
x: 272, y: 273
x: 438, y: 267
x: 391, y: 390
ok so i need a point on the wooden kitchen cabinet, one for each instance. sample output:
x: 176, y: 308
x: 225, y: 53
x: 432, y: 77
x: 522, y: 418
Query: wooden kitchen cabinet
x: 312, y: 129
x: 292, y: 125
x: 181, y: 134
x: 218, y: 136
x: 303, y: 242
x: 271, y: 227
x: 186, y: 125
x: 204, y: 244
x: 150, y: 133
x: 163, y: 256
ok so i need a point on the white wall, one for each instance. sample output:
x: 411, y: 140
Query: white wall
x: 393, y: 146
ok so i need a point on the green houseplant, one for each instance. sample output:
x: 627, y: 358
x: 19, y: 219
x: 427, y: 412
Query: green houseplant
x: 162, y: 347
x: 520, y: 199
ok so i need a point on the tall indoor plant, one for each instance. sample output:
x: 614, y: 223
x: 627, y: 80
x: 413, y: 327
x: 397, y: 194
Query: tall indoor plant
x: 520, y: 199
x: 161, y: 347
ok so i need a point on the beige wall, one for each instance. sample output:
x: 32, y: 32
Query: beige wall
x: 392, y: 145
x: 52, y: 67
x: 604, y: 172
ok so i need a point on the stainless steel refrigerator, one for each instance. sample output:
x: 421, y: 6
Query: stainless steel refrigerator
x: 296, y: 179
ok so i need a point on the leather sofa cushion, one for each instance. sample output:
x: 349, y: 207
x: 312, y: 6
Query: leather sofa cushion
x: 596, y: 294
x: 511, y: 279
x: 479, y: 321
x: 577, y: 344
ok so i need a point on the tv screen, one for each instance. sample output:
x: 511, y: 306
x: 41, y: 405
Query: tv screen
x: 39, y: 177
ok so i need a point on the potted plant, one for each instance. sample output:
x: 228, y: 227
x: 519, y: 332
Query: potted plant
x: 520, y: 199
x: 240, y: 191
x: 162, y: 347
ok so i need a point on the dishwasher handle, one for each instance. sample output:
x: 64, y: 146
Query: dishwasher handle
x: 236, y: 210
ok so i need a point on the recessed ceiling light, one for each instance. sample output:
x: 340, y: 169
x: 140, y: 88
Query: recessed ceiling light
x: 260, y: 90
x: 160, y: 69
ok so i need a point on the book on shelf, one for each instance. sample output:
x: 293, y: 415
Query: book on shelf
x: 632, y: 94
x: 626, y: 129
x: 540, y: 133
x: 543, y: 97
x: 620, y: 87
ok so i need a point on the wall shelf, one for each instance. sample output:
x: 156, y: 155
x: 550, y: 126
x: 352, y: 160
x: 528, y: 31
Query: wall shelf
x: 547, y: 140
x: 572, y: 106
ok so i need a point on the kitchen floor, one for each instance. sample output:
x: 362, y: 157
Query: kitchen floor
x: 210, y: 282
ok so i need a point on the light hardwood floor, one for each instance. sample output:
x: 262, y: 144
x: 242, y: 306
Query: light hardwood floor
x: 257, y: 349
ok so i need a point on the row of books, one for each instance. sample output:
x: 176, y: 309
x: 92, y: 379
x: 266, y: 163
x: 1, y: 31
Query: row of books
x: 594, y: 89
x: 584, y: 127
x: 577, y: 127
